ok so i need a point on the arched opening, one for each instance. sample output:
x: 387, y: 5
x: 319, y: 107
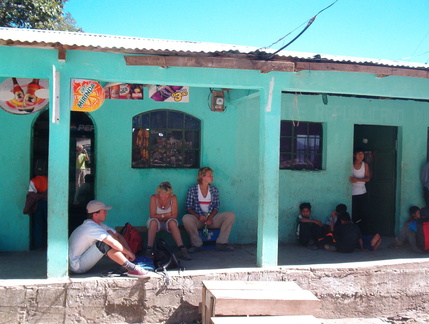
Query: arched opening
x: 81, y: 168
x: 38, y: 167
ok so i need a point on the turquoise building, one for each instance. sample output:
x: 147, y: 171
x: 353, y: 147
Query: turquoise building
x: 277, y: 131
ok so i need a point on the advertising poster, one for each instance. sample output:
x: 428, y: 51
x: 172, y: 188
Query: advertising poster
x: 168, y: 93
x: 24, y: 96
x: 88, y: 95
x: 129, y: 91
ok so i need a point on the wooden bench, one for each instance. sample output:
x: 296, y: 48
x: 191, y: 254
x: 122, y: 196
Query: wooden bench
x: 165, y: 235
x: 255, y: 298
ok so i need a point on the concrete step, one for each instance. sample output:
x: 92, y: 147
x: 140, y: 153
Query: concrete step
x: 261, y: 298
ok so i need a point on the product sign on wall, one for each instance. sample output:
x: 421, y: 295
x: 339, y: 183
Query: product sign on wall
x: 123, y: 91
x: 88, y: 95
x: 168, y: 93
x: 24, y: 96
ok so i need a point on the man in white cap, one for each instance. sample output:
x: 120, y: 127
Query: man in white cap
x: 92, y: 240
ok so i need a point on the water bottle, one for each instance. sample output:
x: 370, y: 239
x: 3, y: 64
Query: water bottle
x: 205, y: 231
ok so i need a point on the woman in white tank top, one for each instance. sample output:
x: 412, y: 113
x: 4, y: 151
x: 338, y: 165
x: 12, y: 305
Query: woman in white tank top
x: 163, y: 212
x: 361, y: 175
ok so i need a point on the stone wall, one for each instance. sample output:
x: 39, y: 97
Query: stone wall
x: 366, y: 291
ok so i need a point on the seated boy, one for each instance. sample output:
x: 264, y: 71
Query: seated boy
x: 332, y: 220
x: 408, y: 233
x: 347, y: 234
x: 309, y: 230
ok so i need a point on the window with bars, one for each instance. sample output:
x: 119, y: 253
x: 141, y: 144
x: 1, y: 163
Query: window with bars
x: 165, y: 139
x: 301, y: 145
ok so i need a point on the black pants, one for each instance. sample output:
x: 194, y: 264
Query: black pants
x: 360, y: 213
x: 309, y: 232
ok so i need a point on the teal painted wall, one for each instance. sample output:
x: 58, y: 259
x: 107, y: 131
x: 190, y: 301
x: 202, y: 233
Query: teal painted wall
x: 230, y: 140
x: 325, y: 189
x: 128, y: 190
x: 15, y: 143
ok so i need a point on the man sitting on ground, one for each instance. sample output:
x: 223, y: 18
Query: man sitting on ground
x: 92, y: 240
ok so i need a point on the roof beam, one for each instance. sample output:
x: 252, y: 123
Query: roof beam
x: 210, y: 62
x: 380, y: 71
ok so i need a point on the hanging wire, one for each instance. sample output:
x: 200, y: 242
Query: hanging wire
x: 310, y: 21
x: 417, y: 48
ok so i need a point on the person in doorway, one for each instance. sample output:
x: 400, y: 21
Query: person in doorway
x: 202, y: 206
x: 93, y: 239
x: 309, y: 229
x: 163, y: 217
x: 424, y: 180
x: 36, y: 204
x: 360, y: 176
x: 81, y: 158
x: 85, y: 193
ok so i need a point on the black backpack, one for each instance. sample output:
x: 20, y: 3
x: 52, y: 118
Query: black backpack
x: 164, y: 258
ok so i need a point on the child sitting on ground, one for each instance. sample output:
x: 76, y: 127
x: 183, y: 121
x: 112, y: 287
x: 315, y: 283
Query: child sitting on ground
x: 309, y: 230
x: 408, y: 233
x: 347, y: 235
x: 332, y: 220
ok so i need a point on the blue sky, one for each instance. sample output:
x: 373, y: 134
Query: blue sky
x: 380, y: 29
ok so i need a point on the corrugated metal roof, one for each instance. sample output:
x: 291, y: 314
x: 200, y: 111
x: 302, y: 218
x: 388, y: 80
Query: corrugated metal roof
x: 126, y: 44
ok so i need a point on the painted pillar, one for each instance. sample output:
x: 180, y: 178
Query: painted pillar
x: 269, y: 145
x: 59, y: 138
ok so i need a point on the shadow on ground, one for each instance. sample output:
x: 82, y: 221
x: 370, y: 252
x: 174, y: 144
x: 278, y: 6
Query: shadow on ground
x: 32, y: 265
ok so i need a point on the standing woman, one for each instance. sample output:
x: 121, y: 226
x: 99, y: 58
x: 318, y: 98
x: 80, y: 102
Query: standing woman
x: 163, y: 217
x: 361, y: 175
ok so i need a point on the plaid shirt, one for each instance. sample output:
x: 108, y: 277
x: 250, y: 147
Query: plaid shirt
x: 193, y: 203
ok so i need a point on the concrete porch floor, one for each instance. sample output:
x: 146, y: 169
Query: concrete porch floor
x: 361, y: 287
x: 32, y: 264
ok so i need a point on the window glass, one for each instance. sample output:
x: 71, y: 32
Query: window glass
x: 165, y: 139
x: 301, y: 145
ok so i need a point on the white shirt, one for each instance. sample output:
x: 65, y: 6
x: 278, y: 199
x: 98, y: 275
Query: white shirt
x: 358, y: 188
x: 204, y: 201
x: 83, y: 237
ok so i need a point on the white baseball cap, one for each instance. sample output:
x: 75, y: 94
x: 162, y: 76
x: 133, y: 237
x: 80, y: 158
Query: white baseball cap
x: 96, y: 205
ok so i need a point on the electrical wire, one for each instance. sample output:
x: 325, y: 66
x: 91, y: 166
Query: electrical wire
x: 310, y: 21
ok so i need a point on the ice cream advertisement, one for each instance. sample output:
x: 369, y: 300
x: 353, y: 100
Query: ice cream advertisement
x: 23, y: 96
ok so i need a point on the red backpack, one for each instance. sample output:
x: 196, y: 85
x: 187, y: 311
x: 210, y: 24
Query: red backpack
x: 133, y: 238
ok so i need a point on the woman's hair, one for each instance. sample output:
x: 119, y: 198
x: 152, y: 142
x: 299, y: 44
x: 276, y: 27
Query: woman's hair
x: 202, y: 172
x: 304, y: 205
x: 164, y: 187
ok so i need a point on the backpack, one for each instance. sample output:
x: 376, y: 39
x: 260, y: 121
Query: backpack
x: 133, y: 238
x: 144, y: 262
x: 422, y: 236
x: 164, y: 258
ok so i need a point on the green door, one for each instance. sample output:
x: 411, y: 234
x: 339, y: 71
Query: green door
x: 379, y: 143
